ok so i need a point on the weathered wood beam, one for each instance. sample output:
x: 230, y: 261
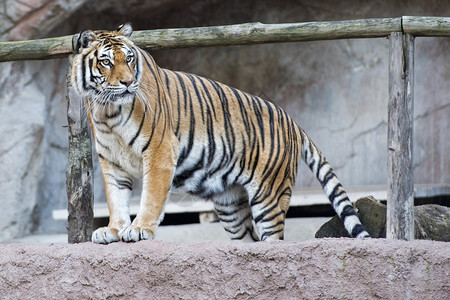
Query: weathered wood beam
x: 400, y: 175
x: 36, y: 49
x: 426, y: 26
x: 79, y: 174
x: 258, y: 33
x: 241, y: 34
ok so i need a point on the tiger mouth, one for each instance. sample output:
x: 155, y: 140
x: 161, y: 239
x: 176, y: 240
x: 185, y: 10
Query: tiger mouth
x: 116, y: 97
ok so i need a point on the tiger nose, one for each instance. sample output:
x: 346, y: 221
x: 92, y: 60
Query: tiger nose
x: 126, y: 82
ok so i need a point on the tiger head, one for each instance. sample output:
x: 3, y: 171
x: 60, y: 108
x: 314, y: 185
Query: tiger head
x: 106, y: 67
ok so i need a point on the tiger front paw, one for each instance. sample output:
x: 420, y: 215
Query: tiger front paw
x: 135, y: 234
x: 105, y: 235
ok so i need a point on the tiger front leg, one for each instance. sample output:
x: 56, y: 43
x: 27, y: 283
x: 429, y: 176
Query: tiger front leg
x: 159, y: 167
x: 118, y: 187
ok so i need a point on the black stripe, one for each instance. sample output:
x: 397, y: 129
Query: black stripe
x: 222, y: 163
x: 269, y: 233
x: 357, y: 230
x: 342, y: 200
x: 242, y: 160
x: 334, y: 193
x: 258, y: 114
x: 151, y: 136
x: 115, y: 113
x: 197, y: 93
x: 322, y: 163
x: 144, y: 53
x: 252, y: 148
x: 270, y: 166
x: 137, y: 74
x: 131, y: 111
x: 206, y: 90
x: 243, y: 111
x: 180, y: 179
x: 211, y: 139
x: 263, y: 213
x: 310, y: 153
x: 83, y: 71
x: 238, y: 225
x: 91, y: 62
x: 233, y: 232
x: 229, y: 131
x: 255, y: 163
x: 240, y: 237
x: 347, y: 211
x: 112, y: 163
x: 177, y: 129
x: 139, y: 130
x: 183, y: 88
x: 124, y: 183
x: 227, y: 173
x: 275, y: 225
x: 330, y: 174
x: 228, y: 213
x: 186, y: 151
x: 101, y: 144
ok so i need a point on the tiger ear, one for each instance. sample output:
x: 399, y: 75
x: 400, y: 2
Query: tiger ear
x: 85, y: 39
x: 125, y: 29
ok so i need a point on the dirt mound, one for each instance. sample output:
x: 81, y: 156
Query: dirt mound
x: 324, y: 268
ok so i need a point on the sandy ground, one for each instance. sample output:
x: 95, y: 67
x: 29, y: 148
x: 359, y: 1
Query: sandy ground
x: 316, y: 269
x: 296, y: 229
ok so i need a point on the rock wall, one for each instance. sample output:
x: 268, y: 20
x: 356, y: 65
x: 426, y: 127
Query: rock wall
x: 320, y: 269
x: 336, y: 90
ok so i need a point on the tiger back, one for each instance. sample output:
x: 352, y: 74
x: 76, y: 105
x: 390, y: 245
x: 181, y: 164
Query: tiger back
x: 182, y: 131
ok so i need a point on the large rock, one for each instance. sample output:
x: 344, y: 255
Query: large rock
x: 32, y: 112
x: 431, y: 222
x: 23, y: 20
x: 22, y: 113
x: 320, y: 269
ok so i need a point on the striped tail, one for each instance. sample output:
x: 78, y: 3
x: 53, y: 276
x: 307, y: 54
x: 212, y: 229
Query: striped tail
x: 332, y: 187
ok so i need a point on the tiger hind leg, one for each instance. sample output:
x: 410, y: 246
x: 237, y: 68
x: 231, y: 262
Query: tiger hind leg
x: 269, y: 217
x: 235, y: 215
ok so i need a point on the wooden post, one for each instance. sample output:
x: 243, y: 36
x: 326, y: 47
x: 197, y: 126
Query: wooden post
x: 79, y: 175
x: 400, y: 177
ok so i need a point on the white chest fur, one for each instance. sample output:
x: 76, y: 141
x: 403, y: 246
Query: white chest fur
x: 113, y: 131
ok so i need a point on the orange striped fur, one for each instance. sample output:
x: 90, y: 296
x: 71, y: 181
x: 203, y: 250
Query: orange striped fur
x: 182, y: 131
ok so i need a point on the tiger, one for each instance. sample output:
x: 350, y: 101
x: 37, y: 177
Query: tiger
x: 181, y: 131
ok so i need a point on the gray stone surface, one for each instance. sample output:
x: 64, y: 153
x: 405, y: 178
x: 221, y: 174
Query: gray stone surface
x: 336, y: 90
x: 319, y: 269
x: 296, y: 230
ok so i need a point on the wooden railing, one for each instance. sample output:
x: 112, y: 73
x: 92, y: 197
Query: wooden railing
x: 400, y: 31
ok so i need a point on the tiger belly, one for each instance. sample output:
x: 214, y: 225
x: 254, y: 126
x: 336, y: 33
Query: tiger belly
x: 203, y: 177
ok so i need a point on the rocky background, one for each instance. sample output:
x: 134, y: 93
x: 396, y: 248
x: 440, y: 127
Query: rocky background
x: 336, y: 90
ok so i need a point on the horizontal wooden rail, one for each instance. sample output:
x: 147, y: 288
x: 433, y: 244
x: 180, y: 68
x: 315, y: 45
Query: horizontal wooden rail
x: 258, y: 33
x: 426, y: 26
x: 241, y: 34
x: 36, y: 49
